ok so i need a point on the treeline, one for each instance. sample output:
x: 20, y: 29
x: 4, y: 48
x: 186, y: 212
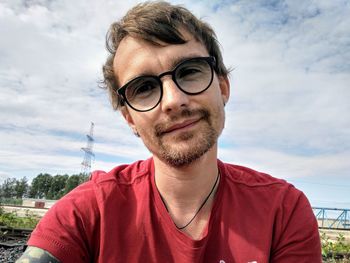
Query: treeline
x: 42, y: 186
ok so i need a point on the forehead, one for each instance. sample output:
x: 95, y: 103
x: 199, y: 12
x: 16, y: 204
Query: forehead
x: 135, y: 56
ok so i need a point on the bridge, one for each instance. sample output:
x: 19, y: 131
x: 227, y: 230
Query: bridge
x: 332, y: 218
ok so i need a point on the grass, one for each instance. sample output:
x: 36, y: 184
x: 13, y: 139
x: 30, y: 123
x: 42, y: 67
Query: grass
x: 11, y: 201
x: 335, y: 251
x: 12, y: 220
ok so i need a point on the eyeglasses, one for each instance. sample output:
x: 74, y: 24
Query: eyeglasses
x: 192, y: 76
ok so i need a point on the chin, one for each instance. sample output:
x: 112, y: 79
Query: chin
x: 187, y: 149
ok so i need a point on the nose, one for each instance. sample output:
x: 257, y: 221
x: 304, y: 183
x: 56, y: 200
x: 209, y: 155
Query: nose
x: 173, y: 98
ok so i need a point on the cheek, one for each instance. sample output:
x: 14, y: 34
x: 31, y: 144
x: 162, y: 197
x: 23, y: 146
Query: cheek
x: 217, y: 109
x: 216, y: 100
x: 145, y: 126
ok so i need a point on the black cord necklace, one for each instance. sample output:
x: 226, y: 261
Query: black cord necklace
x: 201, y: 206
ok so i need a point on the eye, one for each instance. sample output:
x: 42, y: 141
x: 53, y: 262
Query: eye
x: 146, y: 87
x: 141, y: 89
x: 192, y: 69
x: 188, y: 71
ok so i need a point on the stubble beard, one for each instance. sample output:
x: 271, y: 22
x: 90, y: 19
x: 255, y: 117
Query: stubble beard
x: 187, y: 147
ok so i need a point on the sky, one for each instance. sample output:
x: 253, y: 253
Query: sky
x: 288, y: 115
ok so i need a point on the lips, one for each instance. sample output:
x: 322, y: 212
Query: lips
x: 184, y: 119
x: 181, y: 125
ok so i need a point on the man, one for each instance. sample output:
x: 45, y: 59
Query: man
x: 166, y: 75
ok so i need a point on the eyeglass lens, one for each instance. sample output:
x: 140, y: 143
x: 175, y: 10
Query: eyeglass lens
x: 191, y: 76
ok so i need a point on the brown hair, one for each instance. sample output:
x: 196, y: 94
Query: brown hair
x: 157, y: 21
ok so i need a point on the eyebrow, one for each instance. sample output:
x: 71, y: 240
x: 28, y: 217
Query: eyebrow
x: 173, y: 63
x: 177, y: 60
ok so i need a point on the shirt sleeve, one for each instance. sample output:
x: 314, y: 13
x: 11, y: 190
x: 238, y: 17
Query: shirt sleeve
x: 296, y: 231
x: 70, y: 228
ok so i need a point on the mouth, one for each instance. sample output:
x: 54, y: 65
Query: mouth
x: 183, y: 122
x: 181, y: 126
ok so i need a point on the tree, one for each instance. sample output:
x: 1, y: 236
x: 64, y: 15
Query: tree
x: 57, y: 188
x: 72, y: 182
x: 21, y: 187
x: 40, y: 186
x: 8, y: 188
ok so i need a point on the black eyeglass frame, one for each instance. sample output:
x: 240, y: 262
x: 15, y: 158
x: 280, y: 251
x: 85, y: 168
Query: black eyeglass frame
x: 210, y: 60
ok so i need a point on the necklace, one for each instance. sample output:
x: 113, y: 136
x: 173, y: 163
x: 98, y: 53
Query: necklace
x: 199, y: 209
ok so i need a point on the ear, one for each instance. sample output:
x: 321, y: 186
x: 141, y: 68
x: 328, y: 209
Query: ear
x: 224, y: 88
x: 127, y: 116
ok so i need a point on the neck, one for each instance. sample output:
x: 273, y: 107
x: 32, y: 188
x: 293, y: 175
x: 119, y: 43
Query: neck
x: 183, y: 185
x: 185, y: 189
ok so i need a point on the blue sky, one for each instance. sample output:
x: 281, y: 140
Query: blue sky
x: 288, y: 114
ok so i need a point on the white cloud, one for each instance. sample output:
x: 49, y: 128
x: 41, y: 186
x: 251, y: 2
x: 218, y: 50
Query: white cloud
x: 288, y: 166
x: 290, y: 83
x: 288, y: 113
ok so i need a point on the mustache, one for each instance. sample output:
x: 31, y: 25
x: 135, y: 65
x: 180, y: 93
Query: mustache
x: 203, y: 114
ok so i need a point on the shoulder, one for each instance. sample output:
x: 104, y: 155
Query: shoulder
x: 249, y: 177
x: 87, y: 197
x: 109, y: 182
x: 123, y: 174
x: 259, y: 187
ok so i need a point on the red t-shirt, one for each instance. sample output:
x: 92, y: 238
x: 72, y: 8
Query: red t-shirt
x: 120, y: 217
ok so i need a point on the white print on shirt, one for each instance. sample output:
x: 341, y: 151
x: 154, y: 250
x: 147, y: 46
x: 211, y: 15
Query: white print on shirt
x: 252, y: 262
x: 222, y: 261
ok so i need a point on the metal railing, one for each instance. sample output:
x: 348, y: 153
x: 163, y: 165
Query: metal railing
x: 332, y: 218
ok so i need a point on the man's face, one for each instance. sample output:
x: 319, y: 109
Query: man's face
x: 182, y: 128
